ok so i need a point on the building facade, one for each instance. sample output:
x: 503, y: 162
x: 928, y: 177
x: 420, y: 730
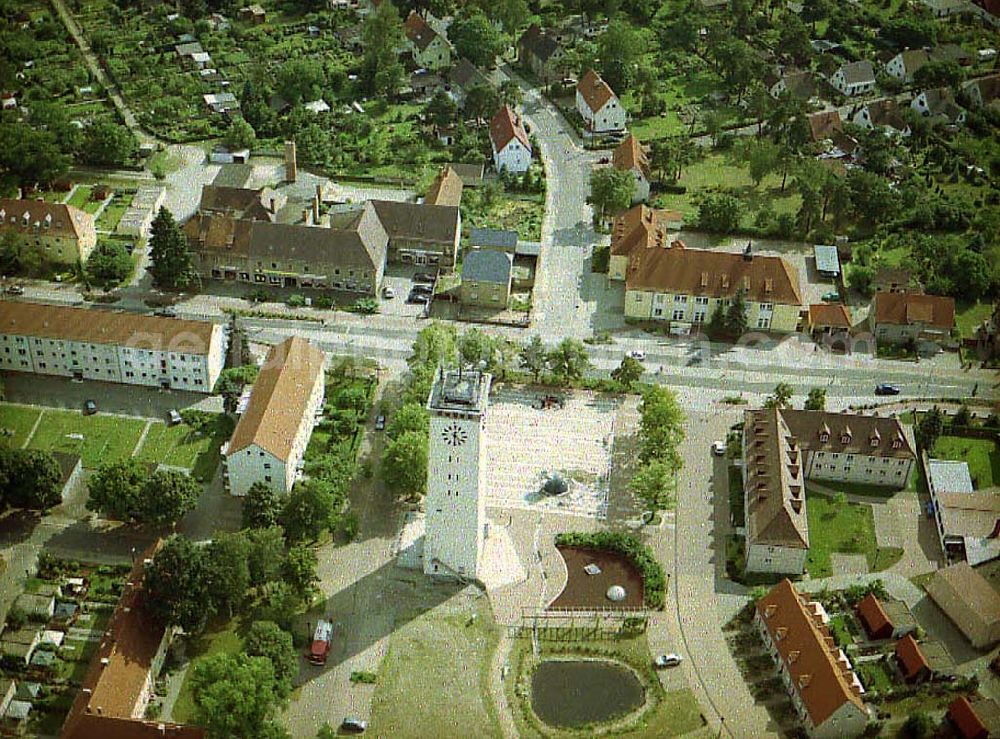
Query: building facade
x: 419, y: 233
x: 854, y: 78
x: 597, y: 104
x: 271, y: 436
x: 456, y: 514
x: 111, y: 346
x: 430, y: 49
x: 629, y: 156
x: 510, y: 143
x: 59, y: 233
x: 899, y: 318
x: 486, y: 278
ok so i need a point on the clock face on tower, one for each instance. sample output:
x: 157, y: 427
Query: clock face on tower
x: 454, y: 435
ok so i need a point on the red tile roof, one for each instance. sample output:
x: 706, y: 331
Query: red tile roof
x: 874, y: 618
x: 911, y: 660
x: 628, y: 155
x: 63, y: 220
x: 505, y: 126
x: 595, y: 90
x: 829, y: 314
x: 902, y: 309
x: 969, y: 725
x: 419, y: 30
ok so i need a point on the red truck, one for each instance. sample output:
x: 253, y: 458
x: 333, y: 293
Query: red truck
x: 320, y: 647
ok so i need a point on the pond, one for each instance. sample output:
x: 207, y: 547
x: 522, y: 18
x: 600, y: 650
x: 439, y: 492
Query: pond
x: 574, y: 693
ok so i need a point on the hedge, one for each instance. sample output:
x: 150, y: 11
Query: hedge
x: 653, y: 578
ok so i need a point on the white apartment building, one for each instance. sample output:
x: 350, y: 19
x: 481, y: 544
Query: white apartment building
x: 271, y: 436
x: 455, y: 524
x: 111, y: 346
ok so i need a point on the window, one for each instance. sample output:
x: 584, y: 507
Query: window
x: 678, y: 314
x: 680, y: 298
x: 267, y: 465
x: 701, y: 300
x: 657, y: 312
x: 638, y: 297
x: 267, y: 478
x: 767, y: 306
x: 764, y: 322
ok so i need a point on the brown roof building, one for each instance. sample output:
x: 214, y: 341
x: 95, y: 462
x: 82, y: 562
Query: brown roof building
x: 970, y: 601
x: 112, y: 700
x: 901, y: 317
x: 824, y: 689
x: 629, y: 156
x: 541, y: 52
x: 911, y: 661
x: 418, y: 30
x: 505, y: 127
x: 975, y: 719
x: 58, y: 233
x: 874, y: 618
x: 420, y: 233
x: 823, y: 125
x: 829, y: 318
x: 271, y: 436
x: 255, y: 205
x: 446, y: 188
x: 594, y: 90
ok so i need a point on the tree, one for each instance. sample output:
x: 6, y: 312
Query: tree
x: 235, y: 695
x: 816, y: 400
x: 29, y: 478
x: 475, y: 346
x: 628, y: 372
x: 169, y: 254
x: 718, y: 212
x: 409, y: 417
x: 781, y: 396
x: 653, y: 485
x: 762, y: 158
x: 435, y: 344
x: 535, y: 357
x: 301, y: 80
x: 872, y: 196
x: 670, y: 156
x: 239, y: 135
x: 261, y: 506
x: 512, y: 14
x: 661, y: 427
x: 918, y: 725
x: 793, y: 39
x: 939, y: 74
x: 569, y: 360
x: 611, y: 190
x: 108, y: 144
x: 735, y: 321
x: 116, y: 488
x: 382, y: 35
x: 178, y: 585
x: 299, y: 570
x: 930, y: 425
x: 476, y: 39
x: 109, y: 263
x: 266, y: 556
x: 228, y: 570
x: 310, y: 509
x: 166, y: 496
x: 442, y: 110
x: 31, y: 155
x: 511, y: 94
x: 481, y: 101
x: 619, y: 48
x: 909, y: 31
x: 267, y: 639
x: 404, y: 464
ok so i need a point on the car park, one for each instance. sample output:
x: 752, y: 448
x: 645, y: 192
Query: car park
x: 887, y: 389
x: 668, y: 660
x: 89, y: 407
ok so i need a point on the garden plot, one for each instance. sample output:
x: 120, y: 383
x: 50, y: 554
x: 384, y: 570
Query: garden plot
x: 525, y: 445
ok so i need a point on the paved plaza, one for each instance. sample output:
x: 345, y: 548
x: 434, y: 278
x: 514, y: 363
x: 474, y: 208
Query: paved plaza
x: 525, y: 445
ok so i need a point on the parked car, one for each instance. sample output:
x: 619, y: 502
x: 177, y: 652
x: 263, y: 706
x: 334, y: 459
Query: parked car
x: 89, y: 407
x: 718, y: 448
x: 637, y: 354
x: 425, y: 289
x: 388, y: 293
x: 174, y: 418
x: 668, y: 660
x: 15, y: 290
x: 418, y: 298
x: 604, y: 160
x: 380, y: 422
x: 831, y: 297
x: 425, y: 277
x: 165, y: 312
x: 887, y: 389
x: 353, y: 726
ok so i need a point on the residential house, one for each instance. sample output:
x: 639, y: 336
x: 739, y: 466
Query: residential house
x: 241, y: 202
x: 782, y: 448
x: 111, y: 346
x: 978, y: 718
x: 138, y: 217
x: 889, y: 620
x: 983, y: 91
x: 471, y: 174
x: 910, y: 661
x: 418, y: 233
x: 59, y: 233
x: 271, y: 436
x: 254, y: 14
x: 629, y: 156
x: 486, y: 278
x: 945, y: 8
x: 463, y: 77
x: 795, y: 83
x: 597, y: 104
x: 18, y: 645
x: 684, y: 286
x: 221, y: 102
x: 119, y: 683
x: 988, y: 335
x: 905, y: 63
x: 446, y: 189
x: 192, y: 55
x: 967, y: 520
x: 824, y: 125
x: 893, y: 280
x: 854, y: 78
x: 970, y: 601
x: 939, y: 104
x: 8, y: 689
x: 898, y: 318
x: 882, y: 114
x: 542, y: 54
x: 423, y: 84
x: 509, y: 142
x: 430, y: 50
x: 638, y: 228
x: 347, y: 254
x: 818, y: 676
x: 829, y: 319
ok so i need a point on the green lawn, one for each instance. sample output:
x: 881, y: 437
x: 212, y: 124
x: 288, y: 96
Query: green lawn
x: 223, y: 640
x: 841, y: 632
x: 184, y: 446
x: 108, y: 220
x: 969, y: 316
x: 875, y: 676
x: 982, y: 456
x: 441, y: 648
x: 849, y: 528
x: 20, y: 419
x: 104, y: 438
x: 81, y: 196
x: 518, y: 213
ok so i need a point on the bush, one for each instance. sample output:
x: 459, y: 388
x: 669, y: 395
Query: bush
x: 363, y: 676
x: 295, y: 301
x: 653, y: 578
x: 601, y: 259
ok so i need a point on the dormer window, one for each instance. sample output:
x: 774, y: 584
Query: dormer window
x: 874, y: 441
x: 779, y: 634
x: 897, y: 443
x: 824, y: 436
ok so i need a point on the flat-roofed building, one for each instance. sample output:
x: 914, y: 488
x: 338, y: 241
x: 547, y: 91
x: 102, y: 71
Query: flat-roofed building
x: 968, y: 520
x: 271, y: 436
x: 111, y: 346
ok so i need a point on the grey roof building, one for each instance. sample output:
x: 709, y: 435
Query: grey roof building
x: 493, y: 238
x: 486, y: 278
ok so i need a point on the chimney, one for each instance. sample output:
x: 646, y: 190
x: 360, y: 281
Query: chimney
x: 272, y: 208
x: 307, y: 216
x: 316, y: 208
x: 291, y: 165
x: 748, y: 252
x: 319, y: 192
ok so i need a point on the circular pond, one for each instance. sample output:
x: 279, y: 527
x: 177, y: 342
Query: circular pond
x: 573, y: 693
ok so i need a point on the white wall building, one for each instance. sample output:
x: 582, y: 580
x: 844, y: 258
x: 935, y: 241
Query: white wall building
x: 855, y: 78
x: 510, y: 143
x: 111, y: 346
x: 598, y: 105
x: 271, y: 436
x: 456, y: 518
